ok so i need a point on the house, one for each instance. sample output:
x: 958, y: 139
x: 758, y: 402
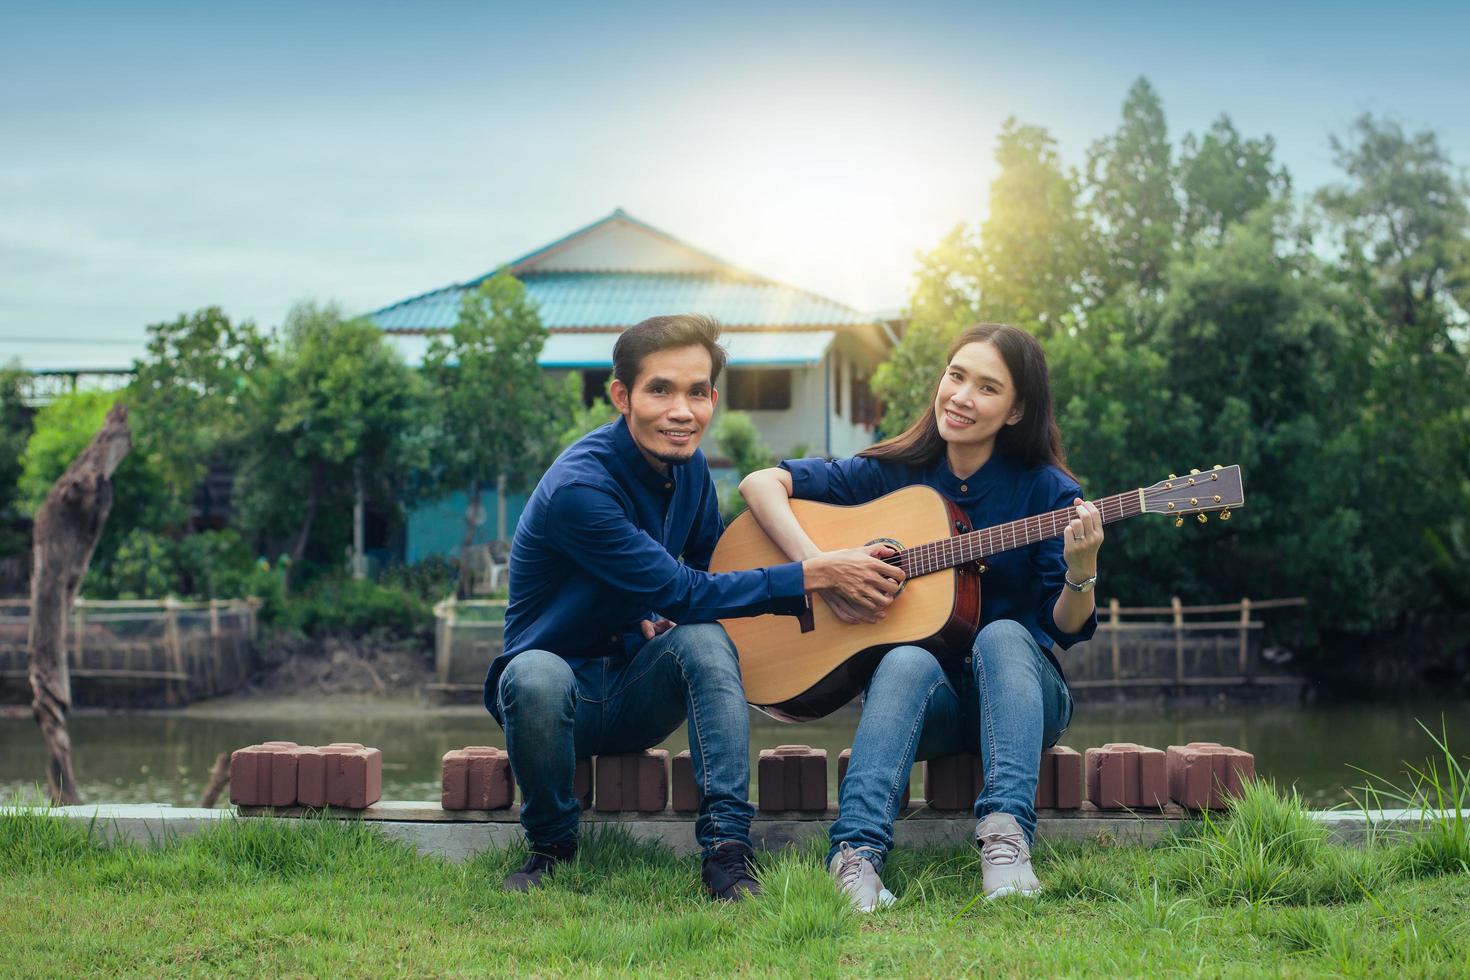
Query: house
x: 799, y: 362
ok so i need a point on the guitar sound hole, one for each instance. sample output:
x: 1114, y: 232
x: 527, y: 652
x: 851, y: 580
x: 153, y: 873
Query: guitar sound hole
x: 896, y: 546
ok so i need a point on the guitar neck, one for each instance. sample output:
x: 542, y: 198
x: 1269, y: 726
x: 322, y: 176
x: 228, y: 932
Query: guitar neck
x: 935, y: 556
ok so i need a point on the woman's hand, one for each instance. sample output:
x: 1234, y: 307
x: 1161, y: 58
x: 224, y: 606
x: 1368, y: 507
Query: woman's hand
x: 1082, y: 539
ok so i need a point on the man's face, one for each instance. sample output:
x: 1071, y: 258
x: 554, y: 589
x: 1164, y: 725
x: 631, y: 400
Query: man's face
x: 670, y: 403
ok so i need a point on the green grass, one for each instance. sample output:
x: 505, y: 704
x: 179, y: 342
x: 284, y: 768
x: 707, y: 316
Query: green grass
x: 1258, y: 890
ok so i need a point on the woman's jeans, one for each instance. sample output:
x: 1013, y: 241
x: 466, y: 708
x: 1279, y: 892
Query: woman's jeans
x: 557, y: 711
x: 1007, y: 703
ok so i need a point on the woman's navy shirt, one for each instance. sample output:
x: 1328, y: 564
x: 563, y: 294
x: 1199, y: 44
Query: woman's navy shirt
x: 1022, y: 584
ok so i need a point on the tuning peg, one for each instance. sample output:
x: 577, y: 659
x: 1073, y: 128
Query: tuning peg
x: 1202, y: 517
x: 1178, y: 522
x: 1173, y: 476
x: 1194, y: 472
x: 1224, y: 515
x: 1217, y: 466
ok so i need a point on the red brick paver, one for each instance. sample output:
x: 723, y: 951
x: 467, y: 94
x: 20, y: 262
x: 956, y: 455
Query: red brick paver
x: 637, y: 782
x: 792, y: 777
x: 1204, y: 775
x: 1125, y: 775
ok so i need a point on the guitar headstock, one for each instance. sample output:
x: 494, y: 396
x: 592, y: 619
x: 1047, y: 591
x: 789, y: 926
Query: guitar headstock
x: 1195, y: 493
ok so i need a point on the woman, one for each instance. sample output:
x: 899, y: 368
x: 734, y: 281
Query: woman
x: 990, y: 443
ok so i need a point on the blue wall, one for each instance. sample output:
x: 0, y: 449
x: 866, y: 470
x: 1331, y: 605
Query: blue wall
x: 438, y: 528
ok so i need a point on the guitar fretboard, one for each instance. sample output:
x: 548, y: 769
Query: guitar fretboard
x: 925, y: 559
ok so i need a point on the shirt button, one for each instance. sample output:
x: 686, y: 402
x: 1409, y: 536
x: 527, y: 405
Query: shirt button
x: 967, y: 660
x: 964, y: 488
x: 668, y: 486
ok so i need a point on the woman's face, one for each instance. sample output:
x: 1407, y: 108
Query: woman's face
x: 976, y: 396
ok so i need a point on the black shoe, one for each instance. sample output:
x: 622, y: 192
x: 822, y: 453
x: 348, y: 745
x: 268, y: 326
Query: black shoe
x: 540, y: 863
x: 729, y: 873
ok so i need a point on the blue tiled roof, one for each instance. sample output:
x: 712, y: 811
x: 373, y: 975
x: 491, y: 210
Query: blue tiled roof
x: 593, y: 349
x: 620, y: 299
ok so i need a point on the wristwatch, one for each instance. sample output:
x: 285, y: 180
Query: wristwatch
x: 1083, y: 586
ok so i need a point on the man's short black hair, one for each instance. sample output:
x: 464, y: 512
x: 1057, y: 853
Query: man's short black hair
x: 665, y: 333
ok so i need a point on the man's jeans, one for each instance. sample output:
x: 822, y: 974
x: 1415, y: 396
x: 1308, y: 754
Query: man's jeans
x: 555, y: 714
x: 1006, y: 704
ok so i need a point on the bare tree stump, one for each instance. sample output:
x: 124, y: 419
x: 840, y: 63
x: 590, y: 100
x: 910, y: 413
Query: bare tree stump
x: 66, y: 530
x: 219, y: 778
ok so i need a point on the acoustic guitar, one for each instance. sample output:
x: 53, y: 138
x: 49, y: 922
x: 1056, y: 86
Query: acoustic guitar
x: 802, y: 668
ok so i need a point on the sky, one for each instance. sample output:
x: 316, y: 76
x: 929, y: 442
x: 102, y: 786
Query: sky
x: 158, y: 157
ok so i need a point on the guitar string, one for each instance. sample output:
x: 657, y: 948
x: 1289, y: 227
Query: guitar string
x: 934, y: 556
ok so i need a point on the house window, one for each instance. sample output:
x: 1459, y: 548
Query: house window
x: 751, y: 390
x: 594, y: 386
x: 864, y: 405
x: 837, y: 386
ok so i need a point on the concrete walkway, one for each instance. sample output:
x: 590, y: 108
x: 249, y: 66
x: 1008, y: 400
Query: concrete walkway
x: 459, y: 836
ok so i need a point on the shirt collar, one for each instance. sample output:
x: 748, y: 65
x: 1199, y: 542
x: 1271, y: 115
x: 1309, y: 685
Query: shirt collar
x: 636, y: 465
x: 974, y: 486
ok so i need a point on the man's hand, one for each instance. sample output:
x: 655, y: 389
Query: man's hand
x: 655, y: 627
x: 856, y: 583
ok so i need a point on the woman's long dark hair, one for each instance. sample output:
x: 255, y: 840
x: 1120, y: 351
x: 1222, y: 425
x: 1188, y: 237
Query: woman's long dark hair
x: 1035, y: 440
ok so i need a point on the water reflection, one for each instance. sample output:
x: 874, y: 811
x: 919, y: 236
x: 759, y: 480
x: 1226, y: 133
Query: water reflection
x: 167, y: 757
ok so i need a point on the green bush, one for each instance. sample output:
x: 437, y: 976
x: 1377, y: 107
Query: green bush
x: 338, y: 604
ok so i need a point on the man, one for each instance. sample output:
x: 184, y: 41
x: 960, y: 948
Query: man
x: 593, y: 663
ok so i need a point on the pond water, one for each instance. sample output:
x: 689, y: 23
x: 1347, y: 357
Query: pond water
x: 166, y: 756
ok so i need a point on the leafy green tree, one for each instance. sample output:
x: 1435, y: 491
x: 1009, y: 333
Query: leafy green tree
x: 333, y: 407
x: 15, y: 430
x: 187, y: 398
x: 1131, y: 198
x: 1403, y: 223
x: 62, y: 430
x: 1402, y: 220
x: 500, y: 414
x: 584, y: 418
x: 1032, y: 252
x: 1223, y: 178
x: 740, y: 442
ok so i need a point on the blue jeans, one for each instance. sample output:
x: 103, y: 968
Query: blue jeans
x: 1007, y: 703
x: 556, y: 713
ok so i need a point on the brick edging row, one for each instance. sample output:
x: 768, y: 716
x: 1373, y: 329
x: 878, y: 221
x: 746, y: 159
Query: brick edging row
x: 790, y: 778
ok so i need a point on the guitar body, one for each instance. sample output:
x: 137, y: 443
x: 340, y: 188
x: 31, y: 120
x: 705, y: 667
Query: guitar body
x: 800, y: 669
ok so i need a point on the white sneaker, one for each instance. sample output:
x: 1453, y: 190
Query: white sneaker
x: 852, y: 869
x: 1005, y: 860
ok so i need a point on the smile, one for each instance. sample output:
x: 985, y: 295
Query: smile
x: 958, y: 419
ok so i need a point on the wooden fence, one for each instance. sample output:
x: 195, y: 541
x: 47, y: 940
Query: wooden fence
x: 1137, y: 650
x: 1177, y: 649
x: 143, y: 651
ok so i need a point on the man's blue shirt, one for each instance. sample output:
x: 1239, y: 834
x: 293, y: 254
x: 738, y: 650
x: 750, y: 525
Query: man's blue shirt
x: 599, y: 548
x: 1022, y: 584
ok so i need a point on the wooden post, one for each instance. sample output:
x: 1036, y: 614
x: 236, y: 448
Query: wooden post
x: 1245, y: 633
x: 1115, y: 618
x: 216, y: 655
x: 64, y: 536
x: 171, y: 643
x: 445, y: 611
x: 1178, y: 645
x: 78, y: 624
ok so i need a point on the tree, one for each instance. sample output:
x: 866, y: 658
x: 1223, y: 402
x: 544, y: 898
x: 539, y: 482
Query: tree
x: 1404, y: 226
x: 1026, y: 266
x: 1224, y: 178
x: 740, y: 442
x: 68, y: 524
x: 187, y: 396
x: 334, y: 412
x: 15, y: 431
x: 501, y: 415
x: 139, y: 499
x: 1130, y: 184
x: 1032, y: 253
x: 584, y: 418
